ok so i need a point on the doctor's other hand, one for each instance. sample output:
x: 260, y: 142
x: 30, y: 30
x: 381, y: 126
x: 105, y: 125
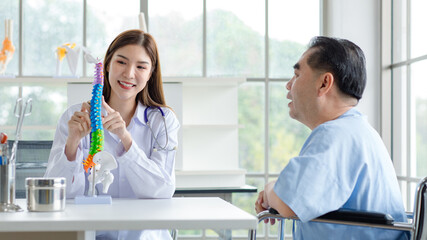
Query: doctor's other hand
x: 79, y: 124
x: 78, y: 128
x: 114, y: 123
x: 261, y: 204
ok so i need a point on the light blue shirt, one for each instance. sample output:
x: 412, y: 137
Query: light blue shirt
x: 342, y: 164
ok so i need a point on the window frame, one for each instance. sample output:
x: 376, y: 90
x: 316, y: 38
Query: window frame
x: 264, y: 176
x: 397, y: 103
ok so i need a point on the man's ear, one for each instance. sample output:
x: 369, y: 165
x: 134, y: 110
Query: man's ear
x: 326, y: 83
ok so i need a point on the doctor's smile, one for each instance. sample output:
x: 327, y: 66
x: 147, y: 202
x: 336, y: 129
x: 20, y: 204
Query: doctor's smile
x: 126, y: 85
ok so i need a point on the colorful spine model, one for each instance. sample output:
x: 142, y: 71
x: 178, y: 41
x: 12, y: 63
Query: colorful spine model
x: 97, y: 133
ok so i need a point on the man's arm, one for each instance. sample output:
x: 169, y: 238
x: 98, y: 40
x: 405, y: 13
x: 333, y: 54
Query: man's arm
x: 268, y: 198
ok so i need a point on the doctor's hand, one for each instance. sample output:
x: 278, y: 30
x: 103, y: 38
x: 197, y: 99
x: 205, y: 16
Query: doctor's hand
x: 78, y: 127
x: 114, y: 123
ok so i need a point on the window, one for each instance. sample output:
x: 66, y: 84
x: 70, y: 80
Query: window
x: 229, y: 40
x: 283, y: 136
x: 47, y: 25
x: 235, y: 38
x: 404, y: 77
x: 256, y: 39
x: 105, y: 20
x: 178, y: 29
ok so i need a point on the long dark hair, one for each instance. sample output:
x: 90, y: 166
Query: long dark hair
x: 152, y: 94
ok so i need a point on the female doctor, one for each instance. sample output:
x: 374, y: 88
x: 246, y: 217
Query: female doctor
x: 145, y: 154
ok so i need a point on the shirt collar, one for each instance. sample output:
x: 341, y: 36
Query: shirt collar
x: 352, y: 112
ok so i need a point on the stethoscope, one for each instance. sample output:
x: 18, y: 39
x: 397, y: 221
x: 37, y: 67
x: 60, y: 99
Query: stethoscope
x: 146, y: 115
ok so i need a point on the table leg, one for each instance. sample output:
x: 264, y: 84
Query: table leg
x: 174, y: 234
x: 86, y: 235
x: 223, y: 234
x: 252, y: 234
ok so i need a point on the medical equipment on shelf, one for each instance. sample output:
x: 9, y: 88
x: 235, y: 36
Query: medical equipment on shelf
x: 71, y: 51
x: 146, y: 115
x: 8, y: 49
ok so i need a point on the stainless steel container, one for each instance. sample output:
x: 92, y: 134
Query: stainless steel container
x: 7, y: 181
x: 45, y: 194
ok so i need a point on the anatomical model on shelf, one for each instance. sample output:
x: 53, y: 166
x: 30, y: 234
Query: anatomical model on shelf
x: 8, y: 49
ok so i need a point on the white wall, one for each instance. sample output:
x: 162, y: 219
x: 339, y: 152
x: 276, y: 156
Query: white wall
x: 359, y: 22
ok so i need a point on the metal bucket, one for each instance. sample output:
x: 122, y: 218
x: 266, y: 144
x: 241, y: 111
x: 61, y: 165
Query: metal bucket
x: 45, y: 194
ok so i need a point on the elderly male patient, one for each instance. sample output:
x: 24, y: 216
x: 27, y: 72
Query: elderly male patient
x: 343, y: 163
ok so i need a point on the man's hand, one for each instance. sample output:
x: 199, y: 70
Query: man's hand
x: 262, y: 203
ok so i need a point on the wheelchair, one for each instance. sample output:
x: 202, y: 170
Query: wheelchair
x: 415, y: 225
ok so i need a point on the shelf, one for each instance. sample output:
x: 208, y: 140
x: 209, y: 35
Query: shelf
x: 187, y: 81
x: 29, y: 127
x: 207, y: 81
x: 208, y: 110
x: 45, y: 80
x: 212, y: 126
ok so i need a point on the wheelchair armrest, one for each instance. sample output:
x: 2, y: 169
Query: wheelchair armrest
x: 359, y: 216
x: 348, y: 215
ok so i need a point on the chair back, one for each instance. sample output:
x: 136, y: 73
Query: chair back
x: 420, y: 216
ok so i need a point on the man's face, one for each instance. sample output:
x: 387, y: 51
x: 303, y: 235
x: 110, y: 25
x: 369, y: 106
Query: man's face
x: 302, y: 90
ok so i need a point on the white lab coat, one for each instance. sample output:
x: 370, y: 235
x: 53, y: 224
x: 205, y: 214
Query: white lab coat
x: 141, y: 172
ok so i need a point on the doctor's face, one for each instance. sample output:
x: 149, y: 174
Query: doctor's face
x: 128, y: 72
x: 302, y: 90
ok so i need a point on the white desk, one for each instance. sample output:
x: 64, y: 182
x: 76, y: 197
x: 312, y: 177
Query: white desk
x: 129, y: 214
x: 221, y: 192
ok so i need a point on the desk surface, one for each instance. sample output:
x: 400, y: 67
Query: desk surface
x: 242, y: 189
x: 132, y: 214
